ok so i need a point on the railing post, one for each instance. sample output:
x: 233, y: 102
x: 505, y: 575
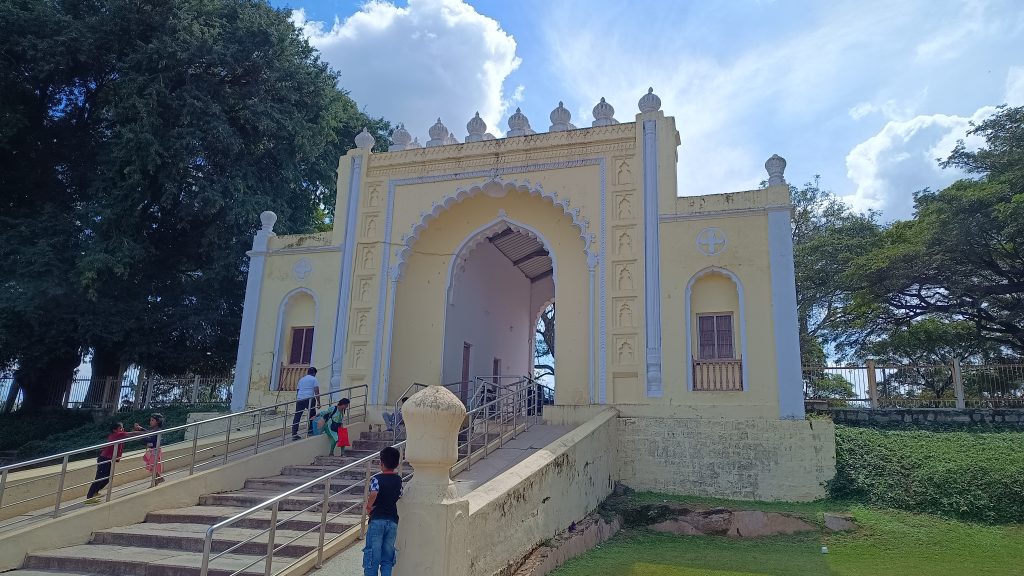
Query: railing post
x: 207, y: 550
x: 227, y: 440
x: 3, y: 486
x: 872, y: 385
x: 156, y: 462
x: 268, y: 567
x: 113, y: 466
x: 195, y: 390
x: 958, y: 384
x: 195, y: 452
x: 323, y: 524
x: 60, y: 486
x: 366, y: 497
x: 259, y: 428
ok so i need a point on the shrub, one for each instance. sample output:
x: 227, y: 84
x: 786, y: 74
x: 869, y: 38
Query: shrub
x: 966, y: 475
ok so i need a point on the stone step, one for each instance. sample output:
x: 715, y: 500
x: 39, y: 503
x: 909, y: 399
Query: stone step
x: 248, y: 498
x: 283, y: 483
x: 190, y: 538
x: 22, y: 572
x: 138, y: 561
x: 209, y: 515
x: 311, y: 472
x: 371, y: 445
x: 339, y: 461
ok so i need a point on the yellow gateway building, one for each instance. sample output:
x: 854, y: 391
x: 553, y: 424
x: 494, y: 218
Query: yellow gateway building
x: 677, y: 312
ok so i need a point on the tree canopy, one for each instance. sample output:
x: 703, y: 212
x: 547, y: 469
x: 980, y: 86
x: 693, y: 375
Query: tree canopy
x: 139, y: 141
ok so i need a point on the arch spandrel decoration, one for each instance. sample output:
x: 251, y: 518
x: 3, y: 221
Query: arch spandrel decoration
x: 495, y: 188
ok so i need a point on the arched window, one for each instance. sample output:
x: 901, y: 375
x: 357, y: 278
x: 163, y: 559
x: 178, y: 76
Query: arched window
x: 716, y: 332
x: 295, y: 344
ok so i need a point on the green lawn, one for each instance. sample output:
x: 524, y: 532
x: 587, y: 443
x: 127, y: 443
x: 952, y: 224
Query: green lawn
x: 888, y: 543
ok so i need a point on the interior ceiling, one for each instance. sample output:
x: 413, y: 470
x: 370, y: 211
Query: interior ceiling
x: 525, y: 252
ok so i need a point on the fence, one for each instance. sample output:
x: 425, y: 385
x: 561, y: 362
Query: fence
x: 954, y: 385
x: 133, y: 391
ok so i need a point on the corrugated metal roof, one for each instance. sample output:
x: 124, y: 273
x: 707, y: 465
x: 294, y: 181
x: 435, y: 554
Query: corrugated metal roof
x: 525, y: 252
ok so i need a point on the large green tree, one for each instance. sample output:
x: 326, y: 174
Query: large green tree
x: 962, y: 256
x: 139, y: 141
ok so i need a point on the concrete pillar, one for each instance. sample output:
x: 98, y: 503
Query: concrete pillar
x: 250, y: 312
x: 433, y: 531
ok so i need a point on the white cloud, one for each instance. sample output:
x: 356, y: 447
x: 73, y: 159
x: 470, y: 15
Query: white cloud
x: 413, y: 64
x: 890, y: 166
x: 951, y: 40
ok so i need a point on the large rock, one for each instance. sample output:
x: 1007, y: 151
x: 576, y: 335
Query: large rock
x: 754, y: 524
x: 676, y: 526
x: 839, y: 522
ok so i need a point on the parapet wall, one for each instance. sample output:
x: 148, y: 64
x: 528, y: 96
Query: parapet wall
x: 1003, y: 417
x: 541, y: 496
x: 753, y: 459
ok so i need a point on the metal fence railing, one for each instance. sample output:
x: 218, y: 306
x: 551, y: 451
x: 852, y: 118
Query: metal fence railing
x: 955, y: 385
x: 513, y: 408
x: 132, y: 391
x: 203, y: 445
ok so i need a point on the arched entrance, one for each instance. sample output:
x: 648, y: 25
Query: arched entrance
x: 472, y: 282
x: 500, y: 276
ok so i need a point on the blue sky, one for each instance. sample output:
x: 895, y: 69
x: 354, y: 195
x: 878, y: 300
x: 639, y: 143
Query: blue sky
x: 867, y: 94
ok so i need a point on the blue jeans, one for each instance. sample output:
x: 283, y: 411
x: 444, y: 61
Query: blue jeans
x: 379, y: 551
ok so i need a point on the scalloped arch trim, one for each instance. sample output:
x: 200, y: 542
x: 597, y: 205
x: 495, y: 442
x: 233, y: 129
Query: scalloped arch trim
x: 495, y: 188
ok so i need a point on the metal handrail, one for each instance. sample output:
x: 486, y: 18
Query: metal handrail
x: 65, y: 457
x: 521, y: 392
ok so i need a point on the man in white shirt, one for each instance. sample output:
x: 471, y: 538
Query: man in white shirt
x: 307, y: 400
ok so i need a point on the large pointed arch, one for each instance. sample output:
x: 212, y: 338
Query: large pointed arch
x: 496, y: 188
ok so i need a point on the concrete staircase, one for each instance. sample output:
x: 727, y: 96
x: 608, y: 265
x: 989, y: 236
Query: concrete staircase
x: 170, y: 542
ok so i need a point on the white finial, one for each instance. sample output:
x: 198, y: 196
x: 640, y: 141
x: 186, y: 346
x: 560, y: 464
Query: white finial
x: 519, y: 124
x: 438, y: 134
x: 365, y: 140
x: 415, y: 143
x: 476, y: 128
x: 560, y: 119
x: 401, y: 139
x: 451, y: 139
x: 604, y: 114
x: 776, y: 167
x: 649, y: 102
x: 268, y: 219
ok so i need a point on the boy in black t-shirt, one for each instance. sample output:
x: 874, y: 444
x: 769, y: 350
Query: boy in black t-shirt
x: 382, y: 507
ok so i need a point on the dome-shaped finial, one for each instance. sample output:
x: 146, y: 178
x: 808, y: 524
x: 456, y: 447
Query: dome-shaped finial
x: 451, y: 139
x: 776, y: 167
x: 560, y: 119
x: 415, y: 143
x: 438, y: 134
x: 268, y: 219
x: 604, y: 114
x: 476, y: 128
x: 519, y: 124
x: 649, y: 102
x: 365, y: 140
x: 401, y: 139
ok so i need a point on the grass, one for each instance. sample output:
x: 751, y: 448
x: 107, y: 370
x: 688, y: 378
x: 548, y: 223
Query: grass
x: 888, y: 543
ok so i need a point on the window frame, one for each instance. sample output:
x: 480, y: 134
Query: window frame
x: 306, y: 345
x: 715, y: 343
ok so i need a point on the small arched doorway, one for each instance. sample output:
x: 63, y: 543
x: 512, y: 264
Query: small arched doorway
x: 500, y: 277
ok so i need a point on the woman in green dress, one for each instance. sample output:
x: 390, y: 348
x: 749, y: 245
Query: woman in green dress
x: 334, y: 421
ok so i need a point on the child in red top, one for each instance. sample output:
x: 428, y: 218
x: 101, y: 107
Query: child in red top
x: 106, y: 455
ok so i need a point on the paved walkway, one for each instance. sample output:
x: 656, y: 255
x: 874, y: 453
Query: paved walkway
x: 350, y: 561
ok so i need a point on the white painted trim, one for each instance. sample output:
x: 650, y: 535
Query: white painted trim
x: 376, y: 378
x: 348, y: 257
x: 602, y: 337
x: 275, y: 374
x: 652, y: 261
x: 385, y: 374
x: 591, y: 271
x: 250, y: 315
x: 688, y: 311
x: 784, y: 316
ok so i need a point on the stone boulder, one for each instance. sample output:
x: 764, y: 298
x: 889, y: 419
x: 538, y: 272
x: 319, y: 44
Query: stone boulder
x: 755, y: 524
x: 839, y: 522
x: 731, y: 523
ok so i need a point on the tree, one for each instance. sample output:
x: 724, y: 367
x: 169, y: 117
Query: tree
x: 827, y: 237
x: 139, y: 141
x: 962, y: 256
x: 544, y: 346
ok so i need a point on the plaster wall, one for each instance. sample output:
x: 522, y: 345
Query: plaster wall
x: 489, y: 309
x: 753, y: 459
x: 540, y: 496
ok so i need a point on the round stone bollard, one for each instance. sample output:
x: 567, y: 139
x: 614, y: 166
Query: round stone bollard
x: 434, y: 522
